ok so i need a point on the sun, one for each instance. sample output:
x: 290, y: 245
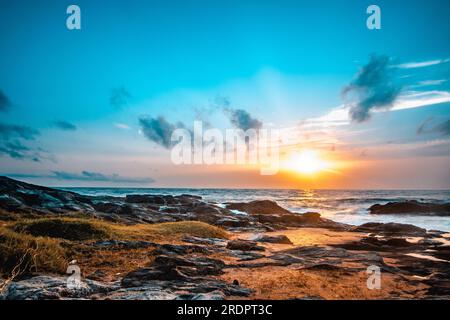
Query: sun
x: 307, y: 162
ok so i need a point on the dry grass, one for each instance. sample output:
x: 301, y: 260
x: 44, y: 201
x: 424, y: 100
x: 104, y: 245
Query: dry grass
x: 64, y: 228
x: 79, y: 229
x: 168, y: 231
x: 47, y: 244
x: 21, y: 253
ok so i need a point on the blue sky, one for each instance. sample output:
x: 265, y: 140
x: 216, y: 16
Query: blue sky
x: 283, y: 62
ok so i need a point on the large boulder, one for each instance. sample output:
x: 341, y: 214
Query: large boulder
x: 412, y: 207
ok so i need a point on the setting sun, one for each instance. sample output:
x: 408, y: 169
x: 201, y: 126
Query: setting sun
x: 305, y: 162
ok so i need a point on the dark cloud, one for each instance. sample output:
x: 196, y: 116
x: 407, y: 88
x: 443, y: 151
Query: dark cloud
x: 241, y: 119
x: 5, y: 103
x: 372, y: 89
x: 64, y: 125
x: 427, y: 126
x: 98, y: 177
x: 159, y: 130
x: 119, y: 97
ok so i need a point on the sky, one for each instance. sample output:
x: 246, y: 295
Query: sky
x: 96, y: 106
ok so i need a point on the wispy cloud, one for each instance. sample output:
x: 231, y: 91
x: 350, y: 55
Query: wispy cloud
x: 425, y: 83
x: 119, y: 97
x: 373, y: 89
x: 82, y: 176
x: 430, y: 126
x: 122, y: 126
x: 98, y: 177
x: 422, y: 64
x: 12, y: 138
x: 8, y: 131
x: 64, y: 125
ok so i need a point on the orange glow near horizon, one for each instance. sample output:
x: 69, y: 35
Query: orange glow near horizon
x: 306, y: 162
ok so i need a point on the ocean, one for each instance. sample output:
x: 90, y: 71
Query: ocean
x: 347, y: 206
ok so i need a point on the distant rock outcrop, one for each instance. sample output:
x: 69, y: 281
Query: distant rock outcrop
x: 412, y: 207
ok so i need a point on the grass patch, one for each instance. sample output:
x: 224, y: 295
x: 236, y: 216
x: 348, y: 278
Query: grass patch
x: 168, y: 231
x: 79, y: 229
x: 22, y: 253
x: 64, y: 228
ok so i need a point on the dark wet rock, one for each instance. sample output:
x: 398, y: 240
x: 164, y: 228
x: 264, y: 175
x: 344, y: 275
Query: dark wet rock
x: 246, y: 255
x: 244, y: 245
x: 412, y: 207
x: 139, y: 198
x: 273, y: 239
x: 258, y: 207
x: 114, y: 208
x: 391, y: 228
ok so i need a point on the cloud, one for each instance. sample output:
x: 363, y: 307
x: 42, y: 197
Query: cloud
x: 14, y: 150
x: 119, y: 97
x: 122, y: 126
x: 442, y: 128
x: 83, y: 176
x: 64, y: 125
x: 422, y: 64
x: 8, y: 131
x: 5, y: 103
x: 241, y: 119
x: 159, y: 130
x: 373, y: 89
x: 11, y: 143
x: 98, y: 177
x: 430, y: 83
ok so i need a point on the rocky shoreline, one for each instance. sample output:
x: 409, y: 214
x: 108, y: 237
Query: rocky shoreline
x: 265, y: 253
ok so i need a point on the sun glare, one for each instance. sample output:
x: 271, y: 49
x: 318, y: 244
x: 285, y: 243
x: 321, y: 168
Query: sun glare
x: 306, y: 162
